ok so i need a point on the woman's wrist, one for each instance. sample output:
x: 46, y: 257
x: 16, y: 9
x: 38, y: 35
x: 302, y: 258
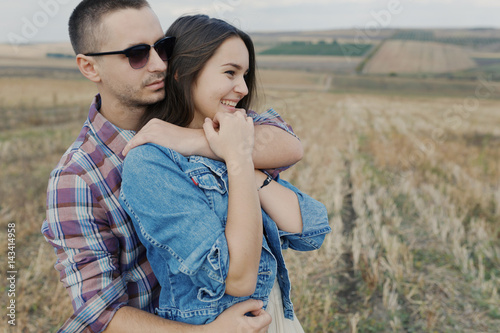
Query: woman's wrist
x: 266, y: 182
x: 260, y: 177
x: 240, y: 160
x: 240, y: 167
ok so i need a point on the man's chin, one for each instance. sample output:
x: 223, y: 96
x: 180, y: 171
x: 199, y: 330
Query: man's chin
x: 155, y: 97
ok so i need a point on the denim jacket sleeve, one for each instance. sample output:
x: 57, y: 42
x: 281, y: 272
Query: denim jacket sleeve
x: 314, y: 220
x: 173, y: 219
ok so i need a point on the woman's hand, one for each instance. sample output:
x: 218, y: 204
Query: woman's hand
x: 216, y: 121
x: 234, y: 140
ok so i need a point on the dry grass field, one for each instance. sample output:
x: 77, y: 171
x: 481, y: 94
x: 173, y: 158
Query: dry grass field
x: 336, y: 64
x: 31, y: 51
x: 413, y: 195
x: 411, y: 185
x: 341, y: 35
x: 405, y: 56
x: 467, y: 33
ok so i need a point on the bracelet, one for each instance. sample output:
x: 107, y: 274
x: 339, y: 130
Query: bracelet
x: 266, y: 181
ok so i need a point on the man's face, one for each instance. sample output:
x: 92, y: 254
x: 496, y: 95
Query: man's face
x: 120, y: 83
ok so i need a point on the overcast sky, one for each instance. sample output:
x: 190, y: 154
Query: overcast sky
x: 46, y: 20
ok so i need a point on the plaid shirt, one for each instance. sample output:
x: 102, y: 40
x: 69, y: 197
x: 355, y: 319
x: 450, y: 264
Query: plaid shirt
x: 101, y: 261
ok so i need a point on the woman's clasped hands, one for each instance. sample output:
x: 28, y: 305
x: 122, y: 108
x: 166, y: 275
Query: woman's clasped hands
x: 231, y: 136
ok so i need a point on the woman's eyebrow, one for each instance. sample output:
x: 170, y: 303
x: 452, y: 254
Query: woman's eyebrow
x: 238, y: 67
x: 233, y: 65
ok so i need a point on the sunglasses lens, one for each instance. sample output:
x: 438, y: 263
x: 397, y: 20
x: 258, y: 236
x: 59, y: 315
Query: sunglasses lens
x: 165, y: 47
x: 138, y: 56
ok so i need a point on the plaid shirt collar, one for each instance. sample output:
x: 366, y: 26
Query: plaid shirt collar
x: 112, y: 136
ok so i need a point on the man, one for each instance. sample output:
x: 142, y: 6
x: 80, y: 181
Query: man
x: 100, y: 259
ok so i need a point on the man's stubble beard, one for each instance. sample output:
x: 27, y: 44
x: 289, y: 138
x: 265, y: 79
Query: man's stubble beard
x: 139, y: 102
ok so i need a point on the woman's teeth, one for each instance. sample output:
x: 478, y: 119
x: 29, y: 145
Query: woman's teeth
x: 229, y: 103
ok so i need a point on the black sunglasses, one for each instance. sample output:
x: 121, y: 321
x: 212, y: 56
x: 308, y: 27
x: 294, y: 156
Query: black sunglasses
x: 138, y: 55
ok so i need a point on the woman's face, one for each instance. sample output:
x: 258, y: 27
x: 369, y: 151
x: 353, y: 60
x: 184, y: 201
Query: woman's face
x: 221, y: 83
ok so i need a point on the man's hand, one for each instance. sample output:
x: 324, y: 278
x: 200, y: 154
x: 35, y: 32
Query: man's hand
x: 234, y: 319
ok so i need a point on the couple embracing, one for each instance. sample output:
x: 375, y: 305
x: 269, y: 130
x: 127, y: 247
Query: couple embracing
x: 185, y: 233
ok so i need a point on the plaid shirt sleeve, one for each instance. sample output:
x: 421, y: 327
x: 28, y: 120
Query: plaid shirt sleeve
x: 271, y: 117
x: 87, y: 252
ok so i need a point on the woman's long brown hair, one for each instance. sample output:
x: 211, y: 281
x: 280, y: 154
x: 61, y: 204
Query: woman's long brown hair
x: 197, y: 39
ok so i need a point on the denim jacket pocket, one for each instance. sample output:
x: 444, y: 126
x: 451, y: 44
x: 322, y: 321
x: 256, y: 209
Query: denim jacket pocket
x: 209, y: 181
x: 209, y: 174
x: 215, y: 189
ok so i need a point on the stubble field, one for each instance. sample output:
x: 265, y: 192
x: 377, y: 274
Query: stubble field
x: 411, y: 185
x: 403, y: 56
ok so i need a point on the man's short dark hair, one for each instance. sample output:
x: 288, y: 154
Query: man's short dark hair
x: 85, y: 24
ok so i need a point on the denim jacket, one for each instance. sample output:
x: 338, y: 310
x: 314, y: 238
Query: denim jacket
x: 179, y: 209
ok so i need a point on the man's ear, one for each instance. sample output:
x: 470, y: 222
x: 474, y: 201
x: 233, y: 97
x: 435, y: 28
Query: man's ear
x: 88, y: 67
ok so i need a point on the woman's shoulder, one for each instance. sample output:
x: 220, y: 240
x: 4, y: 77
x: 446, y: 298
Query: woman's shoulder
x: 151, y: 152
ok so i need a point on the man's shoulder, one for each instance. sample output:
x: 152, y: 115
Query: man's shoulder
x: 83, y: 156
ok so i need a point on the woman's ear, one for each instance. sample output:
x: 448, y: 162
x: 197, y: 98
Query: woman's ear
x: 176, y: 76
x: 88, y: 67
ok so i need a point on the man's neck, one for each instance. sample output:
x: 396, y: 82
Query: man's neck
x: 122, y: 116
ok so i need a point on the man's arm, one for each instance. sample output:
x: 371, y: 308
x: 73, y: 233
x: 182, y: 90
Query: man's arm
x: 87, y: 252
x: 129, y: 319
x: 84, y: 272
x: 275, y: 148
x: 275, y: 144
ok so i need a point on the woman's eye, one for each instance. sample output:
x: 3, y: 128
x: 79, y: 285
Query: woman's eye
x: 230, y: 73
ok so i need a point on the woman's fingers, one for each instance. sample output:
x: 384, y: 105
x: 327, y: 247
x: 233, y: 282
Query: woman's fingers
x: 234, y: 138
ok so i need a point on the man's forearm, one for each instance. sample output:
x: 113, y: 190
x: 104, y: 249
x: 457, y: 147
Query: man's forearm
x: 129, y: 319
x: 274, y: 148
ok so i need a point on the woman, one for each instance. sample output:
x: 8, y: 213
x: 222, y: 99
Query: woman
x: 214, y: 229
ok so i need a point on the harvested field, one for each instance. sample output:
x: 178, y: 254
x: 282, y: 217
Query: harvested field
x: 468, y: 33
x: 34, y: 50
x: 38, y: 63
x: 282, y: 79
x: 411, y: 184
x: 348, y: 35
x: 310, y: 63
x: 26, y: 60
x: 398, y: 56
